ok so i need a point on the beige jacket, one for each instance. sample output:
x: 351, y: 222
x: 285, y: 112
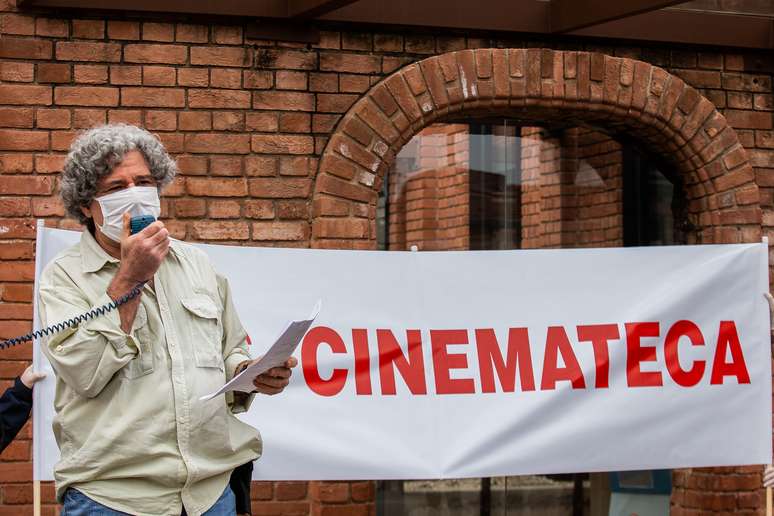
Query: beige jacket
x: 132, y: 432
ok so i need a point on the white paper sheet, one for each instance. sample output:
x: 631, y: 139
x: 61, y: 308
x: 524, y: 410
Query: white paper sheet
x: 278, y: 354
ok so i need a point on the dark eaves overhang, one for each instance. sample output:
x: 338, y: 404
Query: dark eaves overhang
x: 636, y: 20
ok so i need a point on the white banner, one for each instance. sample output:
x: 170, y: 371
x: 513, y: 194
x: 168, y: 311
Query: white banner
x: 471, y: 364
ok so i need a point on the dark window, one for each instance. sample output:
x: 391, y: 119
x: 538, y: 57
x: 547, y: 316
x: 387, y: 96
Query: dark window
x: 654, y: 202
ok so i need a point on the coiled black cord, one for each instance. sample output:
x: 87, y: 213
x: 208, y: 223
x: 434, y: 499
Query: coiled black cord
x: 75, y: 321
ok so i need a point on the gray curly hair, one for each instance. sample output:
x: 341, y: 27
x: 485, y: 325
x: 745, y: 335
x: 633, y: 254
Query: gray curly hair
x: 96, y: 152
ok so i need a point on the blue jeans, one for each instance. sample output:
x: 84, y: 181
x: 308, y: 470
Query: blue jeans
x: 78, y: 504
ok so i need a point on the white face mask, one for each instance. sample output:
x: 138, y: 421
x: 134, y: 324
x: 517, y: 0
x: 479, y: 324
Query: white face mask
x: 137, y: 200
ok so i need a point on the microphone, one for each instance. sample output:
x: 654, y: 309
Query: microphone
x: 140, y: 222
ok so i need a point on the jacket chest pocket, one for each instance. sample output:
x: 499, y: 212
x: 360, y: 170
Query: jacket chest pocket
x: 205, y: 330
x: 142, y: 364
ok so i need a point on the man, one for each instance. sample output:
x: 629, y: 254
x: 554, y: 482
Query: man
x: 133, y: 435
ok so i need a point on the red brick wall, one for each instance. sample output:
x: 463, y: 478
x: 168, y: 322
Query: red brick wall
x: 248, y: 121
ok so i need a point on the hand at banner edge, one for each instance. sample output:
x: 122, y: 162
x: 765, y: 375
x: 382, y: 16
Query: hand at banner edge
x: 768, y: 476
x: 30, y: 377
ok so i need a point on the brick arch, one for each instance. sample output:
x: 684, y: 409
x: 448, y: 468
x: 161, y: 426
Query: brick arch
x: 619, y: 94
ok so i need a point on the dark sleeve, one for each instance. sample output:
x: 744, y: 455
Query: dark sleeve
x: 15, y: 407
x: 240, y: 485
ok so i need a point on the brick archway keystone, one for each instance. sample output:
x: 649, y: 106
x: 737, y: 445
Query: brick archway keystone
x: 618, y: 94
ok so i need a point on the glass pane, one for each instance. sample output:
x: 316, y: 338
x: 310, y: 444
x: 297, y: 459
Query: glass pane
x: 752, y: 7
x: 498, y: 184
x: 494, y: 177
x: 654, y: 211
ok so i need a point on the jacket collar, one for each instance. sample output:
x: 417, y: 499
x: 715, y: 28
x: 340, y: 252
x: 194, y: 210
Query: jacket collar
x: 93, y: 256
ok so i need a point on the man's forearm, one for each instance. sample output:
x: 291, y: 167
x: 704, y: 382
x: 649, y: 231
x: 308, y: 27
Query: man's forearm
x: 119, y: 287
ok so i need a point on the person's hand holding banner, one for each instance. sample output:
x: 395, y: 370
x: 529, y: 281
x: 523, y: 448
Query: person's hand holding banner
x: 30, y: 377
x: 768, y: 476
